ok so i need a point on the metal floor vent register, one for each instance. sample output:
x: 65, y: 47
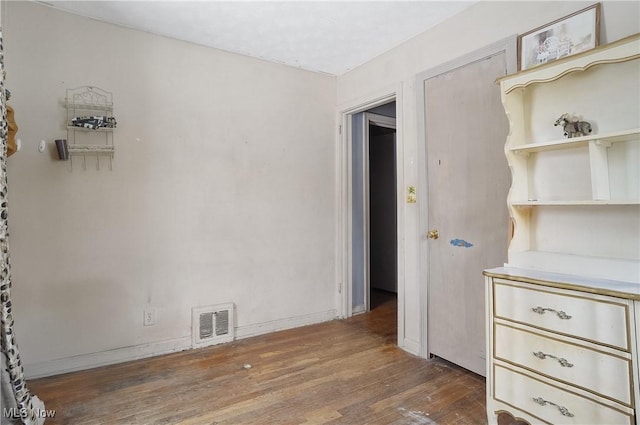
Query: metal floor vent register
x: 212, y: 325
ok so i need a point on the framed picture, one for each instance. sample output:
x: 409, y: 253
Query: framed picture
x: 567, y: 36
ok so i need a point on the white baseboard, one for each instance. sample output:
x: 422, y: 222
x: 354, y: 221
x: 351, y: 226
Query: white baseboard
x: 104, y: 358
x: 411, y: 346
x: 136, y: 352
x: 358, y: 310
x: 283, y: 324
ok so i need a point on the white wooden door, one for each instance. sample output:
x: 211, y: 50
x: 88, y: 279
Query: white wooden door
x: 468, y: 181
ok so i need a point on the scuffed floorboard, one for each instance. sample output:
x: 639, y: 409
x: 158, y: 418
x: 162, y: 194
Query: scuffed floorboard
x: 346, y: 372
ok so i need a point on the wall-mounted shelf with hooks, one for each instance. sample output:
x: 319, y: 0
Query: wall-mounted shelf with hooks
x: 90, y: 124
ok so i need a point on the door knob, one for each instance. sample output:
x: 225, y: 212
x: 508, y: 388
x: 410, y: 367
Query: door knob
x: 433, y: 234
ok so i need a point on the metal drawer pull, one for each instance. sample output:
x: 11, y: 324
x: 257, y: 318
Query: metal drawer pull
x: 561, y: 314
x: 562, y: 409
x: 563, y: 362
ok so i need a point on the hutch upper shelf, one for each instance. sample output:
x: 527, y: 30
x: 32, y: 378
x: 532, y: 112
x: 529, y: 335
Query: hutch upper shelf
x: 575, y: 202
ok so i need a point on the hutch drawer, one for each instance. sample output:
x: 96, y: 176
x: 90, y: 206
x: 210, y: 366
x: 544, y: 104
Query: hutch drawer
x: 553, y: 403
x: 601, y: 320
x: 604, y: 372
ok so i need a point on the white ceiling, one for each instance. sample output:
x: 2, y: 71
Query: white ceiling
x: 324, y: 36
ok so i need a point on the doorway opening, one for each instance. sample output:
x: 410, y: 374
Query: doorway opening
x: 383, y: 224
x: 374, y: 209
x: 354, y: 294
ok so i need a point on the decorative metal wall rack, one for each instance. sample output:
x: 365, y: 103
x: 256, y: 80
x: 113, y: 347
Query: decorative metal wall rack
x: 90, y: 124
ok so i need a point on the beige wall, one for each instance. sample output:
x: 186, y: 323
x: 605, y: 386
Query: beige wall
x: 221, y: 191
x: 481, y: 25
x: 223, y: 181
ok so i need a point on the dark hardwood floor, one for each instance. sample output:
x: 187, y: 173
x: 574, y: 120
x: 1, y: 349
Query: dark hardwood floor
x: 339, y: 372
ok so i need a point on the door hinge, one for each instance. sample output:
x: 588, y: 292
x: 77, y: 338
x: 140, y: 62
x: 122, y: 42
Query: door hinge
x: 340, y: 129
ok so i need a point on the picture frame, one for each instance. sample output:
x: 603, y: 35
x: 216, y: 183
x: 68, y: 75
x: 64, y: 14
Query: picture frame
x: 564, y: 37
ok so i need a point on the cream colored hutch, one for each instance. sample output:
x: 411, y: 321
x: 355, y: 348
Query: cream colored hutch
x: 563, y: 315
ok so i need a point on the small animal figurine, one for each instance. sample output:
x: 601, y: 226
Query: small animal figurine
x: 573, y: 128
